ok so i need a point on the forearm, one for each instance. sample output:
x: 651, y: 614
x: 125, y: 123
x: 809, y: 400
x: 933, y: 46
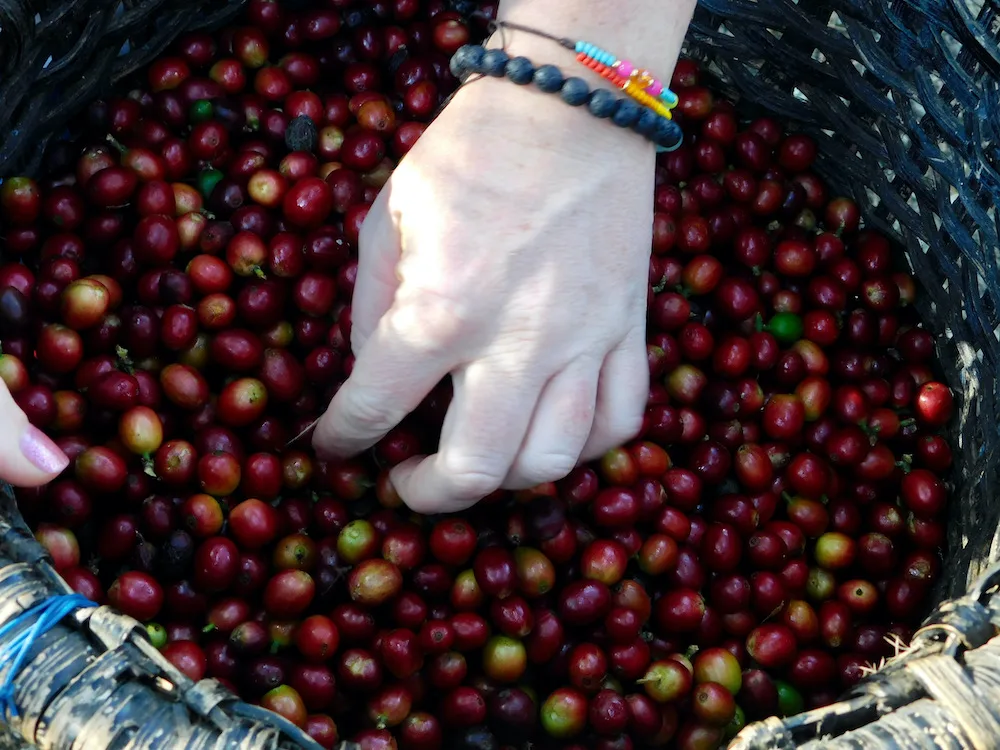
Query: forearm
x: 649, y: 33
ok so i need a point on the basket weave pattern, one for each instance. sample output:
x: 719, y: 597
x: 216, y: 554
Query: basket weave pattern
x: 904, y: 99
x: 95, y: 681
x: 56, y: 56
x: 943, y: 691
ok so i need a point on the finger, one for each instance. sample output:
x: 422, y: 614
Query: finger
x: 409, y: 352
x: 377, y: 280
x: 483, y: 431
x: 621, y: 396
x: 28, y: 458
x: 560, y: 427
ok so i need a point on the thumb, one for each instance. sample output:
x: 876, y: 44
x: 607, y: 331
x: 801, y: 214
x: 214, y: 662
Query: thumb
x: 28, y: 457
x: 377, y: 281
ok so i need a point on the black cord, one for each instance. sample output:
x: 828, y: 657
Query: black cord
x: 561, y: 40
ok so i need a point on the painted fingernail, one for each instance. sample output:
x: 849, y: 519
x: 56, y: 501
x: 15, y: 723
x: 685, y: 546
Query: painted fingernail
x: 38, y: 448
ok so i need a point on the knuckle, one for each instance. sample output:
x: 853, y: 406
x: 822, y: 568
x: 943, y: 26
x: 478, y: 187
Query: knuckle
x: 365, y: 412
x: 366, y: 234
x: 473, y: 485
x: 445, y: 314
x: 434, y: 322
x: 624, y: 427
x: 581, y: 409
x: 612, y: 432
x: 538, y: 468
x: 358, y: 340
x: 472, y: 478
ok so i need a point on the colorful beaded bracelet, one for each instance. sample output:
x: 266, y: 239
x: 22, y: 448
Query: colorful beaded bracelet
x: 475, y: 59
x: 637, y: 82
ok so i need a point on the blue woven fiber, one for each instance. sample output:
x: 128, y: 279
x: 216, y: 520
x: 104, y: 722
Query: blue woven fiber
x: 19, y: 635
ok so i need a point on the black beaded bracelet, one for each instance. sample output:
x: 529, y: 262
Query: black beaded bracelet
x: 475, y: 59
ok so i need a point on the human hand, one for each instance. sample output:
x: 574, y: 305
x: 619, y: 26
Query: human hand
x: 509, y: 249
x: 28, y: 457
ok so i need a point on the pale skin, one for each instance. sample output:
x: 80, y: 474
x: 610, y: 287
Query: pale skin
x: 509, y: 250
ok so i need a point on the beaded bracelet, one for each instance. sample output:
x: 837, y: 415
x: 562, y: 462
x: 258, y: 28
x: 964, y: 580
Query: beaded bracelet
x: 637, y: 82
x: 475, y: 59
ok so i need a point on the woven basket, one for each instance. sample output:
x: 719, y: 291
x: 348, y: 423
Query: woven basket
x: 58, y: 55
x: 943, y: 692
x: 903, y: 97
x: 95, y: 681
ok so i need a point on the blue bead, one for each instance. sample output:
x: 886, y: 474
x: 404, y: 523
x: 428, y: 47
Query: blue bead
x: 580, y: 46
x: 627, y: 114
x: 602, y: 103
x: 467, y: 59
x: 608, y: 59
x: 575, y: 91
x: 520, y: 70
x: 549, y: 78
x: 668, y: 135
x: 647, y: 123
x: 495, y: 62
x: 669, y: 97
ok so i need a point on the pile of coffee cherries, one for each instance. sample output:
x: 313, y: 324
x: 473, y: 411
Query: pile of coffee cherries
x: 175, y: 310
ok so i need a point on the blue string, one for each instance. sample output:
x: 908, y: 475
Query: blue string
x: 48, y: 613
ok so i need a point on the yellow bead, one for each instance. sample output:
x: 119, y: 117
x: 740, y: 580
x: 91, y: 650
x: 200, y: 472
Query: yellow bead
x: 654, y: 105
x: 638, y: 93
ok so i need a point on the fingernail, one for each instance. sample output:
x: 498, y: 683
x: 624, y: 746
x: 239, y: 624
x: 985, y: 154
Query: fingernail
x: 38, y: 448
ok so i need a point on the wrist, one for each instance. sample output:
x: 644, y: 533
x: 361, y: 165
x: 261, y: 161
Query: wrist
x: 649, y: 99
x: 536, y: 120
